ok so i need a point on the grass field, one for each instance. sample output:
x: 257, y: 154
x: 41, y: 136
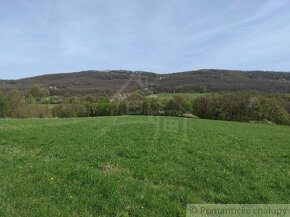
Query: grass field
x: 138, y: 165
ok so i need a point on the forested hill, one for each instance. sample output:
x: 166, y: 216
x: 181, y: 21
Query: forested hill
x: 207, y: 80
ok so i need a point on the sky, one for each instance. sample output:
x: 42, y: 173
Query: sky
x: 163, y: 36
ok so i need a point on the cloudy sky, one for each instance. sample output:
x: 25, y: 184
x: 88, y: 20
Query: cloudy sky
x: 163, y: 36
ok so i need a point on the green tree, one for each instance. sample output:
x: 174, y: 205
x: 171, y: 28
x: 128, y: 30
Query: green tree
x: 30, y: 99
x: 4, y: 105
x: 37, y: 92
x: 201, y: 107
x: 146, y: 108
x: 17, y: 104
x: 123, y: 107
x: 177, y: 106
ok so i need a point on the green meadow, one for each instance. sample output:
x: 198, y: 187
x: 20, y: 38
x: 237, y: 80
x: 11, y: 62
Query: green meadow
x: 138, y: 165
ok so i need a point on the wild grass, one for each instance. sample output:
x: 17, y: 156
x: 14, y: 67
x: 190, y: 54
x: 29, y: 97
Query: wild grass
x: 138, y: 165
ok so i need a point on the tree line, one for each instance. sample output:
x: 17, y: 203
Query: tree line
x: 37, y: 102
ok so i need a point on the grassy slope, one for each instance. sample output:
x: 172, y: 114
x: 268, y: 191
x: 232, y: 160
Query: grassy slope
x: 115, y: 166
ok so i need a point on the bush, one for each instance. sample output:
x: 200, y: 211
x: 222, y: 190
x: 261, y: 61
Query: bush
x: 123, y: 108
x: 18, y: 105
x: 37, y: 92
x: 63, y: 111
x: 4, y: 106
x: 240, y: 106
x: 38, y: 111
x: 201, y: 107
x: 235, y: 106
x: 177, y: 106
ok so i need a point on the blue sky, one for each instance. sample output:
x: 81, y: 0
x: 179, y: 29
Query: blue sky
x: 163, y: 36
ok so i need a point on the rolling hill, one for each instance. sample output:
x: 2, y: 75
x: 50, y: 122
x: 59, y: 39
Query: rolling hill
x: 210, y: 80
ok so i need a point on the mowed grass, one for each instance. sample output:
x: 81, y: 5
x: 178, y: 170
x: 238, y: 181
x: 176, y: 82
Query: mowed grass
x: 138, y: 165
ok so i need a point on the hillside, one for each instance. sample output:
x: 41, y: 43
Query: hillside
x: 138, y: 165
x: 98, y: 82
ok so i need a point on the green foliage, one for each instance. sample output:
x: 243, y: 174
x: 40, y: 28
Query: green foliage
x: 37, y: 92
x: 56, y: 100
x: 139, y: 92
x: 177, y: 106
x: 123, y: 107
x: 30, y: 99
x: 17, y: 104
x: 241, y: 106
x: 268, y: 109
x: 234, y: 106
x: 103, y: 167
x: 89, y: 107
x: 13, y: 104
x: 38, y: 111
x: 201, y: 107
x: 4, y: 106
x: 146, y: 107
x: 114, y: 110
x: 67, y: 110
x: 157, y: 106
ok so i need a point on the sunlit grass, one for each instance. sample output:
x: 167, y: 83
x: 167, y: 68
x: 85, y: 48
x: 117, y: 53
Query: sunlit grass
x: 138, y: 166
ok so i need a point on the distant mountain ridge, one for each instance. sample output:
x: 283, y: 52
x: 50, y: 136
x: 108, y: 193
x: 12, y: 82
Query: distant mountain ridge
x: 211, y: 80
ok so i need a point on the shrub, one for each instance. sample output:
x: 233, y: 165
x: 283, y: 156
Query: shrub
x: 63, y: 111
x: 4, y: 106
x: 240, y: 106
x: 18, y: 105
x: 235, y: 106
x: 177, y: 106
x: 201, y: 107
x: 37, y: 92
x: 38, y: 111
x: 123, y: 108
